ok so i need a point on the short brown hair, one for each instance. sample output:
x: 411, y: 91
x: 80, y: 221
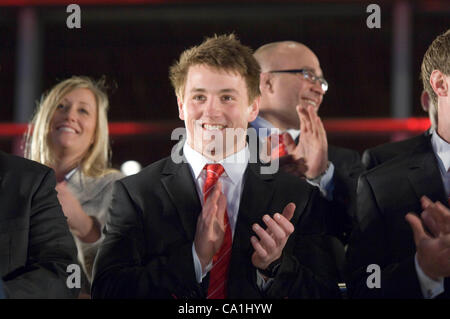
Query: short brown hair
x: 222, y: 52
x: 437, y: 57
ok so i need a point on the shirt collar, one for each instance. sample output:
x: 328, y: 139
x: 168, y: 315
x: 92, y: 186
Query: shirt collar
x: 234, y: 165
x: 70, y: 174
x: 294, y: 133
x: 260, y: 123
x: 442, y: 149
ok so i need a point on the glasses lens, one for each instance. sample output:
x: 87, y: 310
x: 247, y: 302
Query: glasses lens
x: 324, y: 85
x: 308, y: 75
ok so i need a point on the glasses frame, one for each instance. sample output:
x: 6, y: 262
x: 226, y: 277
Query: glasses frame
x: 308, y: 75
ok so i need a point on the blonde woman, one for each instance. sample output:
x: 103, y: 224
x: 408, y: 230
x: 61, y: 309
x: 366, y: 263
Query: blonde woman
x: 69, y: 133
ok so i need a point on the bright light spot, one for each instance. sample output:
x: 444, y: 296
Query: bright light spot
x: 130, y: 167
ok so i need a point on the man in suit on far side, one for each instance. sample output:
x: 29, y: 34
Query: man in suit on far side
x: 412, y: 251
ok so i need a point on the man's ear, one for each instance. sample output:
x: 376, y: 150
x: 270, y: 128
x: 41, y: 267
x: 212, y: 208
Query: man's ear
x: 180, y: 109
x: 253, y: 109
x: 265, y: 82
x: 439, y: 83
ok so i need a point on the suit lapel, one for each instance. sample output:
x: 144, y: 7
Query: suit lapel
x: 255, y: 201
x: 179, y: 184
x: 424, y: 174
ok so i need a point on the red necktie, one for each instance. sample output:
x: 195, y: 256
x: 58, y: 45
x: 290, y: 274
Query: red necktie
x: 280, y: 150
x: 221, y: 260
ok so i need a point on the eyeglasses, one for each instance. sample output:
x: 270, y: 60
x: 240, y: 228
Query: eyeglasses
x: 307, y: 74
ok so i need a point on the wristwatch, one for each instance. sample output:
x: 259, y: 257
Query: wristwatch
x: 272, y: 269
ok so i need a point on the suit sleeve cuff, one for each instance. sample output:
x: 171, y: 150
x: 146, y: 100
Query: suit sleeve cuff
x: 262, y: 284
x: 325, y: 182
x: 430, y: 288
x: 199, y: 275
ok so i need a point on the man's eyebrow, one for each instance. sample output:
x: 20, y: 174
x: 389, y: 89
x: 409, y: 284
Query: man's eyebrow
x: 230, y: 90
x: 197, y: 90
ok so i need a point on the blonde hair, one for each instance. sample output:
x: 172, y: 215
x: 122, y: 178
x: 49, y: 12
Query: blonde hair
x: 96, y: 160
x: 221, y: 52
x: 437, y: 57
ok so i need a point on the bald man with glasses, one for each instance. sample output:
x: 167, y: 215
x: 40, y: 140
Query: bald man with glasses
x: 292, y: 89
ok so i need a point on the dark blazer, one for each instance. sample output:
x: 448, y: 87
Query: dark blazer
x: 341, y: 209
x: 35, y: 243
x: 383, y: 237
x: 348, y: 168
x: 147, y: 252
x: 385, y: 152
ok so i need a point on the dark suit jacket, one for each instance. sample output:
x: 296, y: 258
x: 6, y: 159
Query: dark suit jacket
x: 35, y: 243
x: 385, y: 152
x: 341, y: 209
x: 385, y: 195
x: 348, y: 168
x: 147, y: 252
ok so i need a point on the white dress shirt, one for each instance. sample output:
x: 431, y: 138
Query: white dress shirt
x: 442, y: 151
x: 232, y: 186
x: 231, y: 179
x: 431, y: 288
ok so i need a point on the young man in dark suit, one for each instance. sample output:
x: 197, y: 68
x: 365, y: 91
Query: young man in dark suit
x: 207, y: 222
x: 35, y: 243
x: 412, y: 252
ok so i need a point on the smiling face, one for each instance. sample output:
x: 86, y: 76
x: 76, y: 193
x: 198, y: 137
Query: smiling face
x: 72, y: 128
x: 282, y: 92
x: 215, y: 106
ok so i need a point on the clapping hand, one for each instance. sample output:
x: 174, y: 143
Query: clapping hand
x: 270, y: 241
x: 433, y: 244
x: 210, y: 230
